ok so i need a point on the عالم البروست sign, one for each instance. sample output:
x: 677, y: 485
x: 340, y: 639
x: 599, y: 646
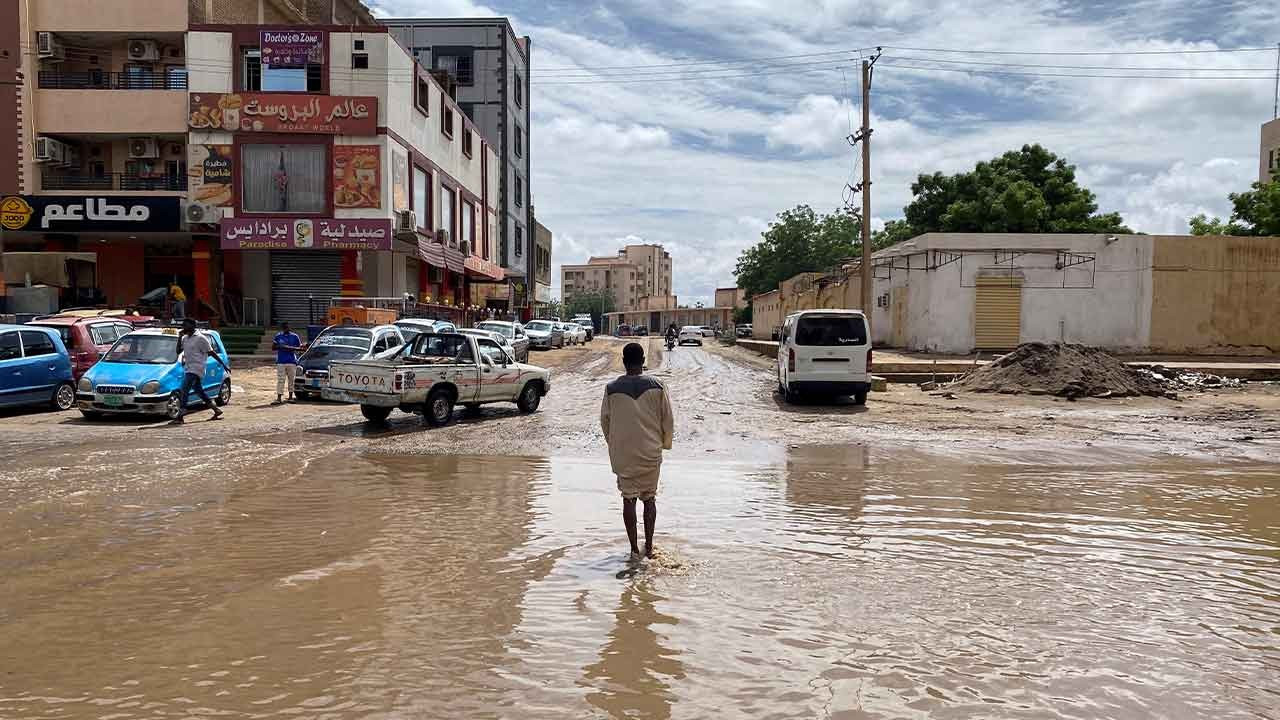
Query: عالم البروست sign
x: 282, y: 112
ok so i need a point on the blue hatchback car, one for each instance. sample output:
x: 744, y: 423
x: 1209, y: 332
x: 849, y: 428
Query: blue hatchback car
x: 142, y: 373
x: 35, y: 368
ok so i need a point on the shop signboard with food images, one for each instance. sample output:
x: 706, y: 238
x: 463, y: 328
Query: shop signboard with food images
x: 357, y: 176
x: 209, y: 169
x: 284, y: 113
x: 291, y: 48
x: 305, y: 234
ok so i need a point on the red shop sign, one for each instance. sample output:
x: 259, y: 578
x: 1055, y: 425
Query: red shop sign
x: 304, y: 234
x: 279, y: 112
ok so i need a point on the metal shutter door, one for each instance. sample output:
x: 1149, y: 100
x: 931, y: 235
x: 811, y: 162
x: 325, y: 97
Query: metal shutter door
x: 997, y: 313
x: 297, y: 275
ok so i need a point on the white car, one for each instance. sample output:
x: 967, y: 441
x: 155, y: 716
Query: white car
x: 824, y: 353
x: 575, y: 334
x: 708, y: 331
x: 494, y: 336
x: 691, y: 334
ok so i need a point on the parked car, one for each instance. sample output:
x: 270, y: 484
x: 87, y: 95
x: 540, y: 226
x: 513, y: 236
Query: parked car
x: 514, y: 334
x: 624, y: 330
x: 640, y: 331
x: 824, y: 353
x: 690, y: 334
x: 142, y: 373
x: 587, y: 324
x: 434, y: 374
x: 340, y: 342
x: 576, y: 334
x: 708, y: 331
x: 86, y: 337
x: 743, y: 331
x: 412, y: 326
x: 544, y: 334
x: 494, y: 336
x: 35, y: 368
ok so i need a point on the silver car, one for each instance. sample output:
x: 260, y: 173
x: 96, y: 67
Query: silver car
x: 513, y: 333
x: 544, y: 334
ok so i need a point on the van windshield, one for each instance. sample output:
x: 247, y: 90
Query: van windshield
x: 831, y: 330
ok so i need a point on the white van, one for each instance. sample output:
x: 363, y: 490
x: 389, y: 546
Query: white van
x: 824, y: 353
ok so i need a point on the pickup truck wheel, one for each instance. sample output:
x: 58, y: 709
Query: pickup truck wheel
x: 439, y: 408
x: 375, y: 413
x: 860, y: 398
x: 530, y: 398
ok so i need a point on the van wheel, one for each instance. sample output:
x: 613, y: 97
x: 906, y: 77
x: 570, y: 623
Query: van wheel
x: 791, y: 396
x: 439, y: 408
x: 529, y: 399
x: 860, y: 398
x: 64, y: 398
x: 375, y: 413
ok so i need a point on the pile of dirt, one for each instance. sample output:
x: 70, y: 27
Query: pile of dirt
x: 1065, y: 370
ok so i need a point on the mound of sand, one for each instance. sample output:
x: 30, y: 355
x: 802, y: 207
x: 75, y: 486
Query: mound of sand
x: 1070, y: 371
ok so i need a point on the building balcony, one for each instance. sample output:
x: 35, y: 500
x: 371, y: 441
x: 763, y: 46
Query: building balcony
x: 99, y: 80
x: 133, y: 17
x: 113, y: 181
x: 111, y: 103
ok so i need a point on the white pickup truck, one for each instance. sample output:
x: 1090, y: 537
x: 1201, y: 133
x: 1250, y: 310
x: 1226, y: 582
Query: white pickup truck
x: 435, y: 372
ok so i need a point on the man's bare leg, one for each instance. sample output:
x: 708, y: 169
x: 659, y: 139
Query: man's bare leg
x: 629, y: 519
x: 650, y: 519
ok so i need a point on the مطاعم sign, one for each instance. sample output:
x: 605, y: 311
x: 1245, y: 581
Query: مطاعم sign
x: 15, y: 213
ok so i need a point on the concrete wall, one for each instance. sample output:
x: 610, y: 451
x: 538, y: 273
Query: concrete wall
x: 137, y: 17
x: 136, y: 112
x: 766, y: 314
x: 1216, y: 294
x: 1105, y: 303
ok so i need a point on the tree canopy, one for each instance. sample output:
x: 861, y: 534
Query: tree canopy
x: 799, y: 240
x: 1027, y: 190
x: 1254, y: 212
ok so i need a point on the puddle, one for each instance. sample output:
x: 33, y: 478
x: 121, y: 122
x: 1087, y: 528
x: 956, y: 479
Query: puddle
x: 842, y: 579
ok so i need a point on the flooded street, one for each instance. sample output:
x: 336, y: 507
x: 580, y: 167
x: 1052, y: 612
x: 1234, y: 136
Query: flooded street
x: 839, y: 581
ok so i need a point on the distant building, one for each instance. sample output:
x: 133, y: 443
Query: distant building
x: 638, y: 276
x: 1269, y: 155
x: 733, y: 297
x: 542, y: 241
x: 488, y: 68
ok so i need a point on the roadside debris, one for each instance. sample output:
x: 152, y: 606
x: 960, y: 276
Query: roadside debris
x: 1063, y: 370
x: 1187, y: 380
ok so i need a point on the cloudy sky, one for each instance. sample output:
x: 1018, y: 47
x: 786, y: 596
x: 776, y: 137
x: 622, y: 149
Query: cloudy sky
x: 692, y: 123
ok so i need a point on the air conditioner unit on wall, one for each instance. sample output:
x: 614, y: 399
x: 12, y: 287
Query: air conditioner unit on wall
x: 143, y: 147
x: 198, y: 212
x: 465, y: 247
x: 144, y: 50
x: 48, y: 47
x: 406, y: 222
x: 50, y: 150
x: 442, y: 236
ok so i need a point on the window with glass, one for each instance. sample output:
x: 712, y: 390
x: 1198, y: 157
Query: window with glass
x: 421, y: 192
x: 283, y: 178
x: 519, y: 90
x: 446, y: 121
x: 519, y: 142
x: 466, y: 141
x: 255, y: 77
x: 447, y: 200
x: 36, y: 343
x: 519, y: 192
x: 459, y: 66
x: 519, y: 241
x: 469, y: 226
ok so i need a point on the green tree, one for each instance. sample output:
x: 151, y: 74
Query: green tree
x: 799, y: 240
x: 1026, y: 190
x: 742, y: 315
x: 590, y: 302
x: 1254, y: 212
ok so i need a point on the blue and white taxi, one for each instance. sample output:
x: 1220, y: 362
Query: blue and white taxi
x: 142, y: 373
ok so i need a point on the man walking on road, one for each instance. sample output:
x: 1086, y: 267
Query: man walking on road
x: 286, y: 343
x: 638, y: 425
x: 196, y: 351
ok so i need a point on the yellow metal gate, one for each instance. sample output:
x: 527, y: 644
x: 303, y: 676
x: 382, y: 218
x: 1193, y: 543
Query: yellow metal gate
x: 997, y: 313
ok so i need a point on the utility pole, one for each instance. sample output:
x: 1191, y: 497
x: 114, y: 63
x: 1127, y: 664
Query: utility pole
x: 1275, y: 107
x: 865, y: 137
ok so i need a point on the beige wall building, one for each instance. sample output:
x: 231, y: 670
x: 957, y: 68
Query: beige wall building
x: 806, y: 291
x: 638, y: 276
x: 1269, y: 155
x: 731, y: 297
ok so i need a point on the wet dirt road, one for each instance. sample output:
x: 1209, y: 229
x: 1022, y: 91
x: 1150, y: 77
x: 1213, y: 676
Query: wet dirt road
x: 295, y: 562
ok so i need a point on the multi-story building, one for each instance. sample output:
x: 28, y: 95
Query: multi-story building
x: 636, y: 273
x: 487, y: 67
x: 542, y: 242
x: 1269, y: 153
x: 261, y: 166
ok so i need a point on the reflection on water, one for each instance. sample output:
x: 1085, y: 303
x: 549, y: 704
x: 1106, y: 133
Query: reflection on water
x: 848, y: 581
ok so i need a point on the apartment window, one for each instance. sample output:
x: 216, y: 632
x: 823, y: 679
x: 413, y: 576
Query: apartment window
x: 519, y: 90
x: 283, y: 178
x: 446, y: 121
x: 519, y: 241
x: 448, y: 201
x: 360, y: 60
x: 256, y: 78
x: 519, y: 192
x: 468, y: 109
x: 466, y: 141
x: 469, y: 226
x: 421, y: 193
x: 519, y: 142
x: 459, y: 66
x: 422, y: 95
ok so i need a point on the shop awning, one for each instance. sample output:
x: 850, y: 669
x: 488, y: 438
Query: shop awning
x: 431, y: 252
x: 454, y: 260
x: 45, y: 268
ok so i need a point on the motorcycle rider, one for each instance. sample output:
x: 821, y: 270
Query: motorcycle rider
x: 672, y: 335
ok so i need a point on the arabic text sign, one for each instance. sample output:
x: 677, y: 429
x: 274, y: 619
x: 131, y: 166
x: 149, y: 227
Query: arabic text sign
x: 91, y: 213
x: 291, y: 48
x: 304, y: 234
x: 281, y: 112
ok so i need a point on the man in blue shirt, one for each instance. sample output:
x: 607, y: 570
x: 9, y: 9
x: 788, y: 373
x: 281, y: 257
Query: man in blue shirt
x: 287, y: 344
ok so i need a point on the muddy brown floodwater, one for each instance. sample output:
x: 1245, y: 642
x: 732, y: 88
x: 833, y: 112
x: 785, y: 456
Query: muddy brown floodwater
x: 835, y: 582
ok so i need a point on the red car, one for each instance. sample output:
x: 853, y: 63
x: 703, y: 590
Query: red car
x: 87, y: 338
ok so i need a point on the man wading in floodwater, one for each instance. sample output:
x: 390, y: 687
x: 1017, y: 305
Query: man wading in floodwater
x: 638, y: 424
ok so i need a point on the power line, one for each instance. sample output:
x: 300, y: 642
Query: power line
x: 1090, y: 53
x: 684, y: 78
x: 701, y: 62
x: 642, y: 74
x: 890, y: 63
x: 1080, y: 67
